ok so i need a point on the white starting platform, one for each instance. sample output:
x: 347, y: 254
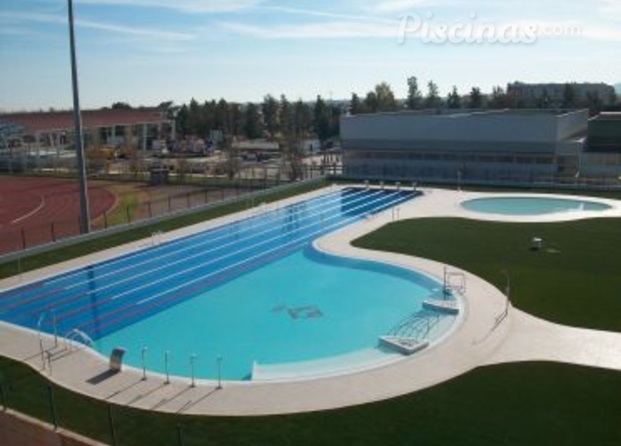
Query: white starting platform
x: 405, y: 346
x: 443, y: 306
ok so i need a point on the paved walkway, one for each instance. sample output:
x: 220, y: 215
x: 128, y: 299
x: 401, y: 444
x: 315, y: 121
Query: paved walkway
x: 483, y: 337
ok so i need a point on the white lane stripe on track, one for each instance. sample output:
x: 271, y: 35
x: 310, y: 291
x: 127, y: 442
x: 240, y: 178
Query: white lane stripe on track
x: 31, y: 213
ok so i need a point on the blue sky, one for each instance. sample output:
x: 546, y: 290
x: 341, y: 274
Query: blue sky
x: 150, y: 51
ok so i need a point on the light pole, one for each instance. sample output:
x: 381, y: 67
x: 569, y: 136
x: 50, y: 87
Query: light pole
x: 85, y: 224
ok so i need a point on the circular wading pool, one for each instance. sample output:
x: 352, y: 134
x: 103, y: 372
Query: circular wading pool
x: 532, y: 205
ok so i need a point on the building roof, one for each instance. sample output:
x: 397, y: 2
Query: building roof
x: 608, y: 116
x: 468, y: 113
x: 42, y: 122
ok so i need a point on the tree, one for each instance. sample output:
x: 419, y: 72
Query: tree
x: 302, y: 118
x: 386, y: 101
x: 222, y: 118
x: 453, y: 100
x: 499, y: 98
x: 355, y: 105
x: 121, y: 106
x: 286, y: 118
x: 236, y: 116
x: 569, y: 96
x: 231, y: 165
x: 252, y: 122
x: 475, y: 99
x: 371, y: 103
x: 182, y: 120
x: 292, y: 159
x: 270, y: 114
x: 194, y: 118
x: 415, y: 97
x: 432, y: 100
x: 321, y: 120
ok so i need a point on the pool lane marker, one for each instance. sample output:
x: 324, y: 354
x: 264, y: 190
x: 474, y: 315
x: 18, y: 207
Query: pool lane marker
x: 220, y: 275
x: 185, y: 271
x: 185, y: 259
x: 16, y: 292
x: 203, y: 234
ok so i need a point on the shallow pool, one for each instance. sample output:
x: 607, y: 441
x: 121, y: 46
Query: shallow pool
x: 531, y: 205
x: 306, y: 307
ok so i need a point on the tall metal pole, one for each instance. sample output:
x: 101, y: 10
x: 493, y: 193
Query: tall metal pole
x: 85, y: 224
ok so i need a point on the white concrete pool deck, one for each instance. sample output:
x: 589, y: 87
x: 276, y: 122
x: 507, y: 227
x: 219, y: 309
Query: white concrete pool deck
x: 483, y: 338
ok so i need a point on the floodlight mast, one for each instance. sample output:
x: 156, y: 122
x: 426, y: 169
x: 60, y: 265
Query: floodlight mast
x: 85, y: 224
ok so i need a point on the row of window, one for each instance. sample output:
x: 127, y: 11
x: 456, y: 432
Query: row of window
x: 460, y: 158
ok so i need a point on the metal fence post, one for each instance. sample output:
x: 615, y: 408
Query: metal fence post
x: 179, y: 435
x: 53, y: 231
x: 111, y: 423
x: 105, y: 220
x: 23, y: 239
x: 3, y: 397
x: 50, y: 393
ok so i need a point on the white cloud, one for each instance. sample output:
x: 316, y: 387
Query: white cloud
x: 392, y: 6
x: 134, y: 31
x: 192, y: 6
x: 327, y: 14
x: 323, y: 30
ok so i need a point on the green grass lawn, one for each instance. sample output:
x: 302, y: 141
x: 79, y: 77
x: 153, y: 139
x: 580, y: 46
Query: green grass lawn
x: 575, y: 281
x: 526, y: 404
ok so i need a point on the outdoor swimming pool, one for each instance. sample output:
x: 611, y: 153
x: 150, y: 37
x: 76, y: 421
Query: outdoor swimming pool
x: 531, y: 205
x: 251, y: 292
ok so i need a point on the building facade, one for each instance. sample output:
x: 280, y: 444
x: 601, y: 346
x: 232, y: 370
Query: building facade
x: 553, y: 95
x: 105, y: 127
x: 485, y: 146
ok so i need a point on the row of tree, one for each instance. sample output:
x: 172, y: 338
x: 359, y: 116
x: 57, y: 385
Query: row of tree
x: 382, y: 99
x: 275, y: 119
x: 282, y: 120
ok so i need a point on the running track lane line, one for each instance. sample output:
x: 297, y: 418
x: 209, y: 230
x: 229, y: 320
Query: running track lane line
x: 30, y: 214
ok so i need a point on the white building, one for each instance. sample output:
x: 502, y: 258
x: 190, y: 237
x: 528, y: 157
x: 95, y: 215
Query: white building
x: 493, y: 146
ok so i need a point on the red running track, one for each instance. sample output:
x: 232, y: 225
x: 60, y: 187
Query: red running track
x: 43, y: 209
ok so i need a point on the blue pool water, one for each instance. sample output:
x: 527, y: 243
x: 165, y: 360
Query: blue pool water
x: 531, y: 205
x: 252, y: 290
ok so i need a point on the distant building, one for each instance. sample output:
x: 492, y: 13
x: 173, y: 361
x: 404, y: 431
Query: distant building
x: 532, y: 94
x: 109, y: 127
x: 491, y: 146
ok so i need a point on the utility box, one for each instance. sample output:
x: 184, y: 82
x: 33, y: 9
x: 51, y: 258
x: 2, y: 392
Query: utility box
x: 159, y: 176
